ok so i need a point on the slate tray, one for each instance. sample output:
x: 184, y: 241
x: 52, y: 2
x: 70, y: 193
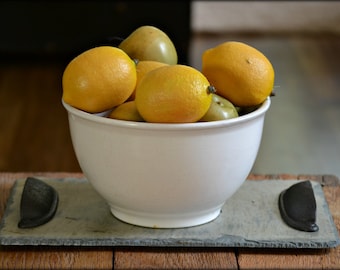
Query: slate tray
x: 250, y: 218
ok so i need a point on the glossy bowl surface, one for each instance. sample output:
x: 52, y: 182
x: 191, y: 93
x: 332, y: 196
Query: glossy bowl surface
x: 166, y: 175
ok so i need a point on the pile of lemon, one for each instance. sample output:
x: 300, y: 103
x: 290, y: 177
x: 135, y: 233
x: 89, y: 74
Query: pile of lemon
x: 136, y: 87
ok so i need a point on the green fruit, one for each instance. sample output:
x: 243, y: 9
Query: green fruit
x: 150, y: 43
x: 220, y: 109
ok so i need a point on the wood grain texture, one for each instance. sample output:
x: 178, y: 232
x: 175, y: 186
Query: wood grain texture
x: 34, y: 133
x: 174, y: 258
x: 43, y: 257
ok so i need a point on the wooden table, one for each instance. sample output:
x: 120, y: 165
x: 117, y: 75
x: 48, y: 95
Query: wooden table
x: 44, y: 257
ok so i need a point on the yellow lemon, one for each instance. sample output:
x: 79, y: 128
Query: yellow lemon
x: 239, y: 72
x: 143, y: 67
x: 173, y: 94
x: 126, y: 111
x: 99, y: 79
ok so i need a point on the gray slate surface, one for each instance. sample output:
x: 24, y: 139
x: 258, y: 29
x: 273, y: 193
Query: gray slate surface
x: 250, y: 218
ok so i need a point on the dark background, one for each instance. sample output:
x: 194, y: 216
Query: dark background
x: 65, y: 28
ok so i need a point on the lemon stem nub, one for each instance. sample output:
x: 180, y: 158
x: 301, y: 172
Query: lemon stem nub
x: 211, y: 89
x: 136, y: 61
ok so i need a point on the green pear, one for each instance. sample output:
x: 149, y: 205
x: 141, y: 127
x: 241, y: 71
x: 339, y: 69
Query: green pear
x: 220, y: 109
x: 150, y: 43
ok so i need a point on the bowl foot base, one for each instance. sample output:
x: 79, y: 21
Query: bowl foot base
x: 165, y: 221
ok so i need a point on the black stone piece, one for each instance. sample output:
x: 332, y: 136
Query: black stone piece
x: 39, y: 203
x: 298, y: 207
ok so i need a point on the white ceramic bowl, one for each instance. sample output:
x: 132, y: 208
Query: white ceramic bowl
x: 166, y: 175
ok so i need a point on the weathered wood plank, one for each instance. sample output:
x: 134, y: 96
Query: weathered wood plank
x: 43, y: 257
x: 174, y: 258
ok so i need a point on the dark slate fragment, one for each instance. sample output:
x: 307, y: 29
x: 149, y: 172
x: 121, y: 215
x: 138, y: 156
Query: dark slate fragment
x: 39, y: 203
x: 298, y: 207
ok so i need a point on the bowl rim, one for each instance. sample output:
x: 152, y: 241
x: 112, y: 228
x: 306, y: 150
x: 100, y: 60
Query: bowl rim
x: 168, y: 126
